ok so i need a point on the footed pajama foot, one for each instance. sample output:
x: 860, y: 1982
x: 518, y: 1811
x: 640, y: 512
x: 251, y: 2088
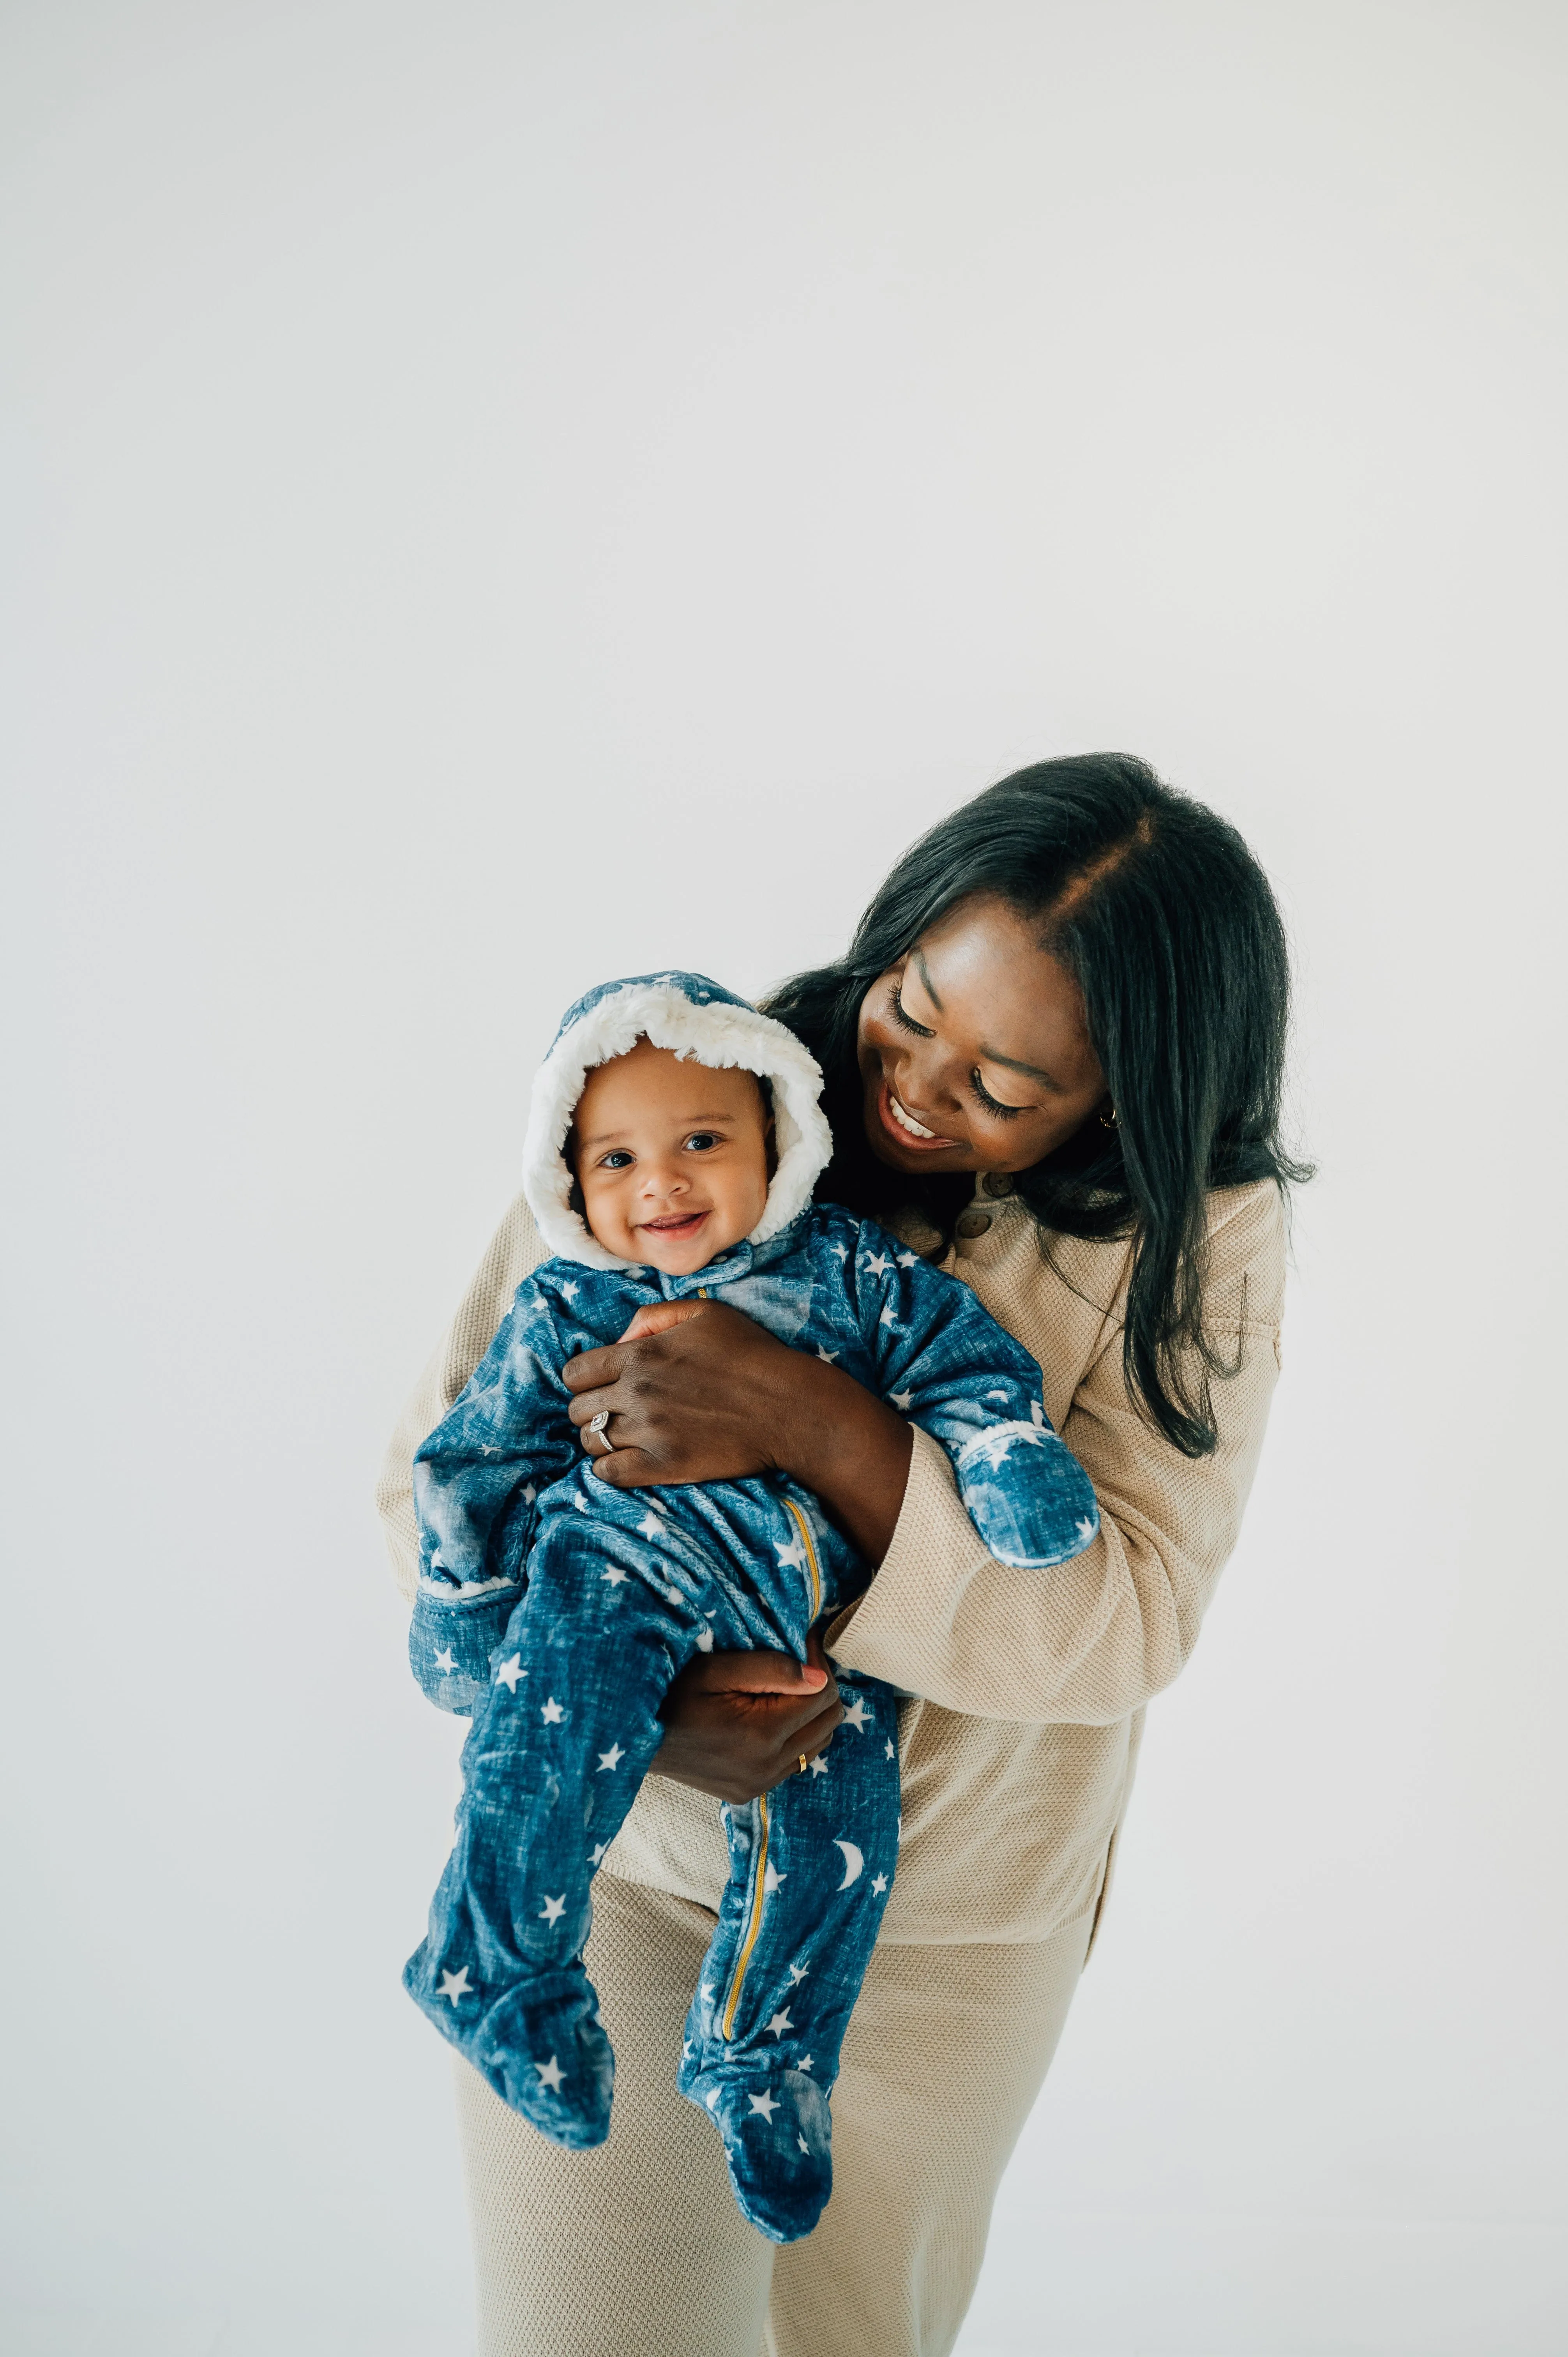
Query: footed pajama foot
x: 777, y: 2132
x: 539, y: 2044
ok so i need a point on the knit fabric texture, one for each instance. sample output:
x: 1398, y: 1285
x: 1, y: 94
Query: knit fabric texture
x: 637, y: 2247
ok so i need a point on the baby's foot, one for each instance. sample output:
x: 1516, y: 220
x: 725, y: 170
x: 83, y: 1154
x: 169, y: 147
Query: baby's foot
x: 777, y: 2133
x: 540, y: 2043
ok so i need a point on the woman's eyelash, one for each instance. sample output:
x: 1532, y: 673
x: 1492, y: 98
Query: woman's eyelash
x: 908, y: 1021
x: 1002, y: 1112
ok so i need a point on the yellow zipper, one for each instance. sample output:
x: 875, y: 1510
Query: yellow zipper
x: 754, y: 1925
x: 758, y: 1887
x: 805, y: 1529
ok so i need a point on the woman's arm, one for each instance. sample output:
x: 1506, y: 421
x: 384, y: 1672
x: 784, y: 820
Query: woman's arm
x: 1091, y: 1641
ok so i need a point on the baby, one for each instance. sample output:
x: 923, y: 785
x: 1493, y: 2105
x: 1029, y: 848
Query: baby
x: 673, y: 1143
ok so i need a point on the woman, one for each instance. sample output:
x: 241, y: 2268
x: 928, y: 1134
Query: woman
x: 1053, y: 1057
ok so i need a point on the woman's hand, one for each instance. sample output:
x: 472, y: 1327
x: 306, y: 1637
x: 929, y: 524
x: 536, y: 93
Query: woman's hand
x: 737, y: 1723
x: 697, y: 1393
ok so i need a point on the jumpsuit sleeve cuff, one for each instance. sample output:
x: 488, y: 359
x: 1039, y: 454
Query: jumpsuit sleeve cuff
x: 451, y: 1639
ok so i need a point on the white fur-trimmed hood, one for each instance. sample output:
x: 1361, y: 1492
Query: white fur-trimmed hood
x: 695, y: 1018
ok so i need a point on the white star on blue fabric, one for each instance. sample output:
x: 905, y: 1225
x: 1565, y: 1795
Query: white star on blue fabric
x: 610, y: 1759
x: 826, y: 1356
x: 904, y: 1401
x: 886, y: 1318
x: 529, y: 1493
x: 798, y: 1973
x: 841, y: 1252
x: 805, y: 2147
x: 877, y: 1264
x: 614, y: 1573
x: 890, y: 1750
x: 771, y: 1878
x: 766, y: 2105
x: 455, y: 1984
x: 445, y: 1661
x: 818, y: 1766
x: 597, y: 1853
x: 855, y: 1714
x: 550, y: 2074
x: 793, y: 1555
x: 704, y: 1640
x: 553, y: 1909
x: 780, y: 2023
x: 570, y: 1289
x: 581, y: 1503
x: 510, y: 1672
x: 1085, y: 1530
x: 907, y: 1259
x: 805, y: 2062
x: 550, y: 1712
x: 651, y: 1527
x: 878, y: 1885
x: 994, y: 1445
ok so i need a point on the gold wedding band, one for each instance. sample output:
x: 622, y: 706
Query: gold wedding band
x: 802, y: 1763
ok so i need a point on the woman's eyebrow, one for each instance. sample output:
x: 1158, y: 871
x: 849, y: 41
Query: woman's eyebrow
x: 1013, y: 1064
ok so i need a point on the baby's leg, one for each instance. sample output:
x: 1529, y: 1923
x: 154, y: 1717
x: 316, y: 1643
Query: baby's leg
x: 810, y: 1867
x: 560, y: 1745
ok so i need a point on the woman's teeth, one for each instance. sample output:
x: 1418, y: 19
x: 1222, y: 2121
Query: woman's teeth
x: 907, y: 1120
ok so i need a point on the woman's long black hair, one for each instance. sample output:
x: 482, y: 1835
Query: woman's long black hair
x: 1165, y: 920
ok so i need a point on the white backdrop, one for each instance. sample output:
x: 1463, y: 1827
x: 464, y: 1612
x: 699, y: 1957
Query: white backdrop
x: 502, y: 495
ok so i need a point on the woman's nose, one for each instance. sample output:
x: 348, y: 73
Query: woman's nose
x: 933, y: 1081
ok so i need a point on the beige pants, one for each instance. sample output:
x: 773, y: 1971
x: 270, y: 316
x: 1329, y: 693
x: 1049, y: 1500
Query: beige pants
x: 638, y: 2250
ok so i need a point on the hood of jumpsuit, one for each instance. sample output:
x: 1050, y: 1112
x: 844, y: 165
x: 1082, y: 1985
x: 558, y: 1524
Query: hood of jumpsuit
x: 693, y: 1018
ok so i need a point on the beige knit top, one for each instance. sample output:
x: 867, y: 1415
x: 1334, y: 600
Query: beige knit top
x: 1017, y: 1757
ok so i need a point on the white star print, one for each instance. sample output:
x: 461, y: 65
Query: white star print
x: 610, y: 1759
x: 704, y: 1640
x: 1086, y: 1531
x: 766, y: 2105
x: 818, y: 1766
x: 685, y: 2050
x: 711, y: 2098
x: 841, y: 1252
x: 570, y: 1289
x: 597, y: 1853
x: 651, y: 1527
x: 445, y: 1662
x: 798, y: 1973
x: 855, y: 1714
x: 550, y: 2074
x: 708, y: 1991
x: 805, y: 2147
x: 794, y: 1554
x: 510, y: 1672
x: 890, y: 1749
x: 907, y: 1259
x: 878, y: 1263
x: 994, y: 1446
x: 550, y: 1712
x: 1001, y: 1395
x: 488, y: 1450
x: 529, y: 1493
x: 614, y: 1573
x: 780, y: 2023
x: 581, y: 1503
x: 878, y: 1885
x: 455, y: 1984
x: 827, y: 1356
x: 887, y: 1316
x: 771, y: 1878
x: 553, y: 1909
x: 903, y: 1400
x: 805, y: 2062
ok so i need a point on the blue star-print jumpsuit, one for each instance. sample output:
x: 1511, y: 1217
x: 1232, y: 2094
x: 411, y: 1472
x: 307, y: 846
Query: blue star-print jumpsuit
x: 558, y: 1611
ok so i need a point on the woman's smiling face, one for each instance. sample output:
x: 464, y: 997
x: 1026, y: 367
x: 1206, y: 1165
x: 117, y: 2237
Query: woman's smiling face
x: 974, y: 1049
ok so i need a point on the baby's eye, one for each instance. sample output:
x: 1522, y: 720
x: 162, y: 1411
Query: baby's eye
x: 619, y: 1160
x: 703, y: 1141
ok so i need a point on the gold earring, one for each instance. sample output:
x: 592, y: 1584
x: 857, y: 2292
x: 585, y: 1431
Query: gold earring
x: 1107, y: 1120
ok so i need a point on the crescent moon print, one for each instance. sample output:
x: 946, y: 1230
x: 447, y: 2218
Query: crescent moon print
x: 852, y: 1863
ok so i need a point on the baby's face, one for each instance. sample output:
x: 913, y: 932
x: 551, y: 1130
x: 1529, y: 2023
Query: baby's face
x: 672, y: 1157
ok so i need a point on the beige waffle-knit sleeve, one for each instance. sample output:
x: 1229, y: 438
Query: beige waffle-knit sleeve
x: 1090, y: 1640
x: 515, y: 1249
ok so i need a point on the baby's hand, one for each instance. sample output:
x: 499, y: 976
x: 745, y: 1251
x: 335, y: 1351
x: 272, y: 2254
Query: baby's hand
x: 659, y: 1315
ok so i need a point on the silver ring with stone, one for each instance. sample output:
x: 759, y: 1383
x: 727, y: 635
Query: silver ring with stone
x: 596, y: 1425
